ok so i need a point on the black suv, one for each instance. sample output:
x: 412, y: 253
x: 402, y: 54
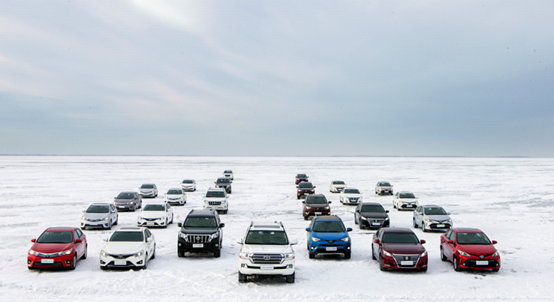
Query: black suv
x: 200, y: 232
x: 224, y: 183
x: 300, y: 178
x: 304, y: 188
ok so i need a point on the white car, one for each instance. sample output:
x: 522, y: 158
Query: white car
x: 188, y: 185
x: 128, y: 247
x: 266, y: 250
x: 383, y: 188
x: 405, y: 201
x: 336, y: 186
x: 228, y: 174
x: 99, y: 215
x: 432, y: 217
x: 148, y: 190
x: 216, y: 199
x: 154, y: 214
x: 350, y: 196
x: 176, y: 195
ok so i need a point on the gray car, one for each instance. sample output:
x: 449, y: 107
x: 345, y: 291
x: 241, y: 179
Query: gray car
x: 431, y: 217
x: 99, y: 215
x: 371, y: 215
x: 148, y: 190
x: 129, y: 201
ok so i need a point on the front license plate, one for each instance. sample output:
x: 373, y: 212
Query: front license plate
x: 317, y: 213
x: 266, y: 267
x: 331, y: 248
x: 406, y: 263
x: 121, y: 207
x: 120, y: 262
x: 481, y: 263
x: 198, y: 245
x: 46, y: 260
x: 375, y: 223
x: 440, y: 225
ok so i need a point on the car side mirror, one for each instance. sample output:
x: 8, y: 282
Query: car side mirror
x: 494, y: 242
x: 447, y: 213
x: 376, y: 241
x: 221, y: 224
x: 149, y: 239
x: 315, y: 187
x: 386, y: 211
x: 239, y: 241
x: 106, y: 239
x: 179, y: 224
x: 330, y: 201
x: 33, y: 240
x: 294, y: 242
x: 450, y: 241
x: 422, y: 241
x: 84, y: 211
x: 303, y: 201
x: 297, y: 187
x: 349, y: 229
x: 307, y: 230
x: 79, y: 240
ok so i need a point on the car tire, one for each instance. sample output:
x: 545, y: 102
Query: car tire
x: 242, y: 278
x: 154, y: 253
x: 455, y: 264
x: 180, y: 253
x: 103, y: 267
x: 166, y: 222
x: 217, y: 253
x: 305, y: 217
x: 311, y: 255
x: 74, y: 262
x: 423, y: 227
x: 290, y: 278
x: 381, y: 265
x: 415, y: 224
x: 347, y: 255
x: 495, y: 270
x: 145, y: 266
x: 84, y: 256
x: 373, y: 253
x: 116, y: 220
x: 361, y: 225
x: 423, y: 270
x: 355, y: 220
x: 443, y: 257
x: 110, y: 225
x: 393, y: 205
x: 171, y: 222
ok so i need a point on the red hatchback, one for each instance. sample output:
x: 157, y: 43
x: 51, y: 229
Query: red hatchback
x: 469, y: 248
x: 58, y: 247
x: 399, y: 248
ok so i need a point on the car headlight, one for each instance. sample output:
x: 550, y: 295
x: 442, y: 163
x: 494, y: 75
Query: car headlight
x: 387, y: 253
x: 449, y: 220
x: 213, y: 236
x: 423, y: 254
x: 428, y: 220
x: 245, y: 255
x: 495, y: 254
x: 345, y: 239
x: 34, y: 253
x: 363, y: 218
x: 387, y: 218
x: 103, y: 253
x: 315, y: 239
x: 64, y: 252
x: 462, y: 253
x: 138, y: 254
x: 308, y: 208
x: 288, y: 256
x: 184, y: 236
x: 83, y: 218
x: 326, y: 208
x: 106, y: 218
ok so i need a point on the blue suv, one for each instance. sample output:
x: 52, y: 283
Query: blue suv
x: 327, y: 235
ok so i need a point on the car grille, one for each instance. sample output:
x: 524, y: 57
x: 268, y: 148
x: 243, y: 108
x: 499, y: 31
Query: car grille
x: 120, y: 256
x: 43, y: 255
x: 400, y: 258
x: 214, y: 203
x: 352, y: 199
x: 267, y: 259
x: 95, y: 220
x: 198, y: 238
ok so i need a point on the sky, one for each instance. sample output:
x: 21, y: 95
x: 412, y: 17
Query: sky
x: 277, y: 78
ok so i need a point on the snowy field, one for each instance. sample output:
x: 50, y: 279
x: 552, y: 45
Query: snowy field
x: 510, y: 199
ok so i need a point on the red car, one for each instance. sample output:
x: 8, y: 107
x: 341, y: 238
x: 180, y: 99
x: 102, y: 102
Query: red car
x: 398, y: 248
x: 58, y: 247
x: 469, y: 248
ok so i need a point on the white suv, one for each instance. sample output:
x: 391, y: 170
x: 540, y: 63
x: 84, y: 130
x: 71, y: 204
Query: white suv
x: 266, y: 250
x: 216, y: 199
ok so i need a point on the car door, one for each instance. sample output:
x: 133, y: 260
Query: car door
x: 448, y: 248
x: 169, y: 212
x: 376, y: 246
x: 150, y: 243
x: 79, y: 246
x: 418, y: 216
x: 113, y: 214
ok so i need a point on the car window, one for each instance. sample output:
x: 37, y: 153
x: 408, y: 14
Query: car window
x: 333, y: 226
x: 407, y: 195
x: 305, y: 185
x: 98, y: 209
x: 434, y: 211
x: 134, y: 236
x: 391, y: 237
x: 56, y: 237
x: 352, y: 191
x: 373, y: 208
x: 174, y: 192
x: 79, y: 233
x: 200, y: 222
x: 215, y: 194
x: 154, y: 207
x: 125, y: 196
x: 266, y: 237
x: 472, y: 238
x: 316, y: 200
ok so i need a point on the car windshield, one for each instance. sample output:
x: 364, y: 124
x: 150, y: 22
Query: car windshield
x: 187, y: 181
x: 147, y: 186
x: 200, y: 222
x: 154, y: 207
x: 98, y: 209
x: 373, y: 208
x: 351, y: 191
x: 175, y: 192
x: 407, y: 195
x: 125, y: 196
x: 384, y: 184
x: 391, y: 237
x: 338, y: 182
x: 435, y: 211
x: 127, y: 236
x: 215, y: 194
x: 329, y: 226
x: 223, y: 180
x: 316, y: 199
x: 301, y: 175
x: 473, y: 238
x: 305, y: 185
x: 55, y: 237
x: 266, y: 237
x: 228, y: 171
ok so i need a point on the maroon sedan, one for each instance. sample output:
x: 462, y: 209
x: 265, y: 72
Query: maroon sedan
x: 58, y: 247
x: 399, y: 248
x: 469, y: 248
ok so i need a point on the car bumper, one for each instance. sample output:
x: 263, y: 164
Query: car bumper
x: 152, y: 223
x: 147, y: 194
x: 41, y: 262
x: 436, y: 226
x: 246, y: 267
x: 115, y: 262
x: 188, y: 189
x: 184, y: 246
x: 474, y: 262
x: 330, y: 249
x: 384, y: 191
x: 317, y: 212
x: 407, y: 206
x: 125, y: 207
x: 104, y: 224
x: 396, y: 262
x: 374, y: 223
x: 223, y: 207
x: 176, y: 201
x: 336, y: 190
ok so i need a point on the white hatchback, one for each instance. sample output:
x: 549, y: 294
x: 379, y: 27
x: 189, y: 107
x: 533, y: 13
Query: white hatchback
x: 155, y: 214
x: 176, y: 195
x: 128, y: 247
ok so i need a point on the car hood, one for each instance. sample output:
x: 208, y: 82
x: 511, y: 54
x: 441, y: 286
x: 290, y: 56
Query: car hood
x: 352, y: 195
x: 266, y: 249
x: 174, y: 195
x: 438, y: 217
x: 123, y: 200
x: 152, y: 214
x: 48, y: 248
x: 374, y: 215
x: 317, y: 205
x: 403, y: 248
x: 408, y: 199
x: 477, y: 249
x: 96, y: 215
x: 198, y: 230
x: 330, y: 236
x: 123, y: 247
x: 215, y: 199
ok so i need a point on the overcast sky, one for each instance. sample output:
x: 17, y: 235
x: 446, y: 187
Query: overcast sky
x: 285, y: 78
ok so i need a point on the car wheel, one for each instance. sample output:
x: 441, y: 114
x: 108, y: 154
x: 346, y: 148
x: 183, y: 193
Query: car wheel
x: 393, y: 205
x: 103, y: 267
x: 171, y: 219
x: 347, y: 255
x: 305, y: 217
x: 424, y: 269
x: 217, y: 253
x: 455, y: 264
x: 180, y: 253
x: 116, y: 220
x: 154, y: 253
x: 361, y: 225
x: 145, y: 266
x: 495, y: 270
x: 166, y: 222
x: 84, y: 256
x: 373, y: 253
x: 355, y: 220
x: 242, y: 278
x: 311, y: 255
x: 110, y: 225
x: 423, y: 226
x: 415, y: 224
x: 290, y: 278
x: 443, y: 257
x: 74, y: 262
x: 381, y: 264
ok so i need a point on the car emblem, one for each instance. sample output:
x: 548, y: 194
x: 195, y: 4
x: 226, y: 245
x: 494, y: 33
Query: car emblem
x: 197, y: 238
x: 120, y: 256
x: 267, y: 257
x: 481, y: 257
x: 406, y: 257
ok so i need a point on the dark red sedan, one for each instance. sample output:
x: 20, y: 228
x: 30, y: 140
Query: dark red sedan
x: 469, y: 248
x: 58, y: 247
x: 398, y: 248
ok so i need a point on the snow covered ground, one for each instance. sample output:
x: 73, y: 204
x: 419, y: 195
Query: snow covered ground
x: 511, y: 199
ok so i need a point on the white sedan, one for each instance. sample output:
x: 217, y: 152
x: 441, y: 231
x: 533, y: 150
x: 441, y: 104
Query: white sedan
x: 405, y: 201
x: 350, y: 196
x: 176, y: 195
x: 336, y: 186
x: 128, y: 247
x: 155, y: 214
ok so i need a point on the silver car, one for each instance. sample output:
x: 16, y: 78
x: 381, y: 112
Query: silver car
x: 99, y: 215
x: 383, y: 188
x: 431, y: 217
x: 148, y: 190
x: 128, y: 200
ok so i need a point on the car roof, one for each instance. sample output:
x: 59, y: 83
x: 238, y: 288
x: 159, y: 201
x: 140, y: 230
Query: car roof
x: 129, y: 229
x: 216, y: 189
x: 469, y: 230
x: 397, y: 230
x: 100, y: 204
x: 264, y: 225
x: 188, y: 179
x: 228, y: 171
x: 199, y: 212
x: 370, y: 204
x: 431, y: 206
x: 327, y: 218
x: 60, y: 229
x: 128, y: 192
